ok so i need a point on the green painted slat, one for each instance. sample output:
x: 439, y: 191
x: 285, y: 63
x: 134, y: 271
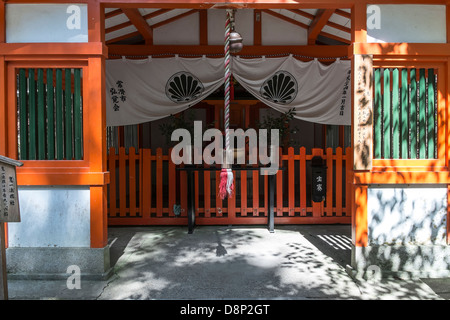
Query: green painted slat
x: 395, y: 115
x: 404, y: 121
x: 387, y: 114
x: 413, y: 113
x: 32, y: 116
x: 40, y: 115
x: 431, y: 123
x: 50, y: 116
x: 377, y: 114
x: 59, y: 116
x: 422, y: 114
x: 23, y: 114
x: 78, y: 123
x: 68, y: 114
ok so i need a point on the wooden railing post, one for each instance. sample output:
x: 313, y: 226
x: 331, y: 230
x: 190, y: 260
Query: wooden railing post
x: 291, y: 181
x: 132, y: 180
x: 122, y: 182
x: 112, y: 183
x: 172, y: 181
x: 329, y: 207
x: 302, y: 170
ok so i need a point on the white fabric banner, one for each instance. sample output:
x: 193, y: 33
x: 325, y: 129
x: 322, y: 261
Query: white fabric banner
x: 139, y: 91
x: 319, y: 93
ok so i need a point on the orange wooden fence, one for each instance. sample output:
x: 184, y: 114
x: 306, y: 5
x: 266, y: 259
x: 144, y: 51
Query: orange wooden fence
x: 146, y: 189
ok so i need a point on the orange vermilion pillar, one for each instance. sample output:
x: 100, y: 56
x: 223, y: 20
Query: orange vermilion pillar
x: 97, y: 123
x: 3, y: 129
x: 359, y: 217
x: 359, y: 192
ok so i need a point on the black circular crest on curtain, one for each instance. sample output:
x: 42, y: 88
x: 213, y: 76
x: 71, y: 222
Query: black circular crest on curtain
x: 184, y: 87
x: 281, y: 88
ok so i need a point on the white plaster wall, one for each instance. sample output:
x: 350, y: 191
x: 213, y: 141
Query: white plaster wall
x: 184, y: 31
x: 408, y: 23
x: 52, y: 217
x: 44, y: 23
x: 406, y: 215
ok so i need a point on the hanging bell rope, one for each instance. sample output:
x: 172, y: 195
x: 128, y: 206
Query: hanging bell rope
x: 226, y: 185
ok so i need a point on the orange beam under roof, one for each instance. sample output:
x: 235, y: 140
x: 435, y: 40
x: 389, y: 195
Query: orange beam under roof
x: 260, y: 4
x: 316, y: 26
x: 222, y: 4
x: 315, y: 51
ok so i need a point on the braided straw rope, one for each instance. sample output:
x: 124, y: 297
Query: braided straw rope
x: 227, y: 79
x: 226, y: 178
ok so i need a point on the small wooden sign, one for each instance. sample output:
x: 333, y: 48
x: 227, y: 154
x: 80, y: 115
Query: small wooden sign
x: 363, y: 112
x: 9, y: 198
x: 9, y: 212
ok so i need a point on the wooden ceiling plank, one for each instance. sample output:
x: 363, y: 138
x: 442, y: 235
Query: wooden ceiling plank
x: 318, y: 23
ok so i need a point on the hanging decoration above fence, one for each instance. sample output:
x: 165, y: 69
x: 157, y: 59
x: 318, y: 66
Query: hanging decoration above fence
x: 139, y: 91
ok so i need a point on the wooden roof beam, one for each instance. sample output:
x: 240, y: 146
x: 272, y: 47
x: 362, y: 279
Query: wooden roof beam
x: 128, y: 23
x: 154, y: 26
x: 203, y: 27
x: 283, y: 17
x: 304, y: 26
x: 143, y: 50
x: 332, y: 36
x: 316, y: 26
x: 140, y: 23
x: 344, y: 14
x: 113, y: 13
x: 329, y: 23
x: 124, y: 37
x: 170, y: 20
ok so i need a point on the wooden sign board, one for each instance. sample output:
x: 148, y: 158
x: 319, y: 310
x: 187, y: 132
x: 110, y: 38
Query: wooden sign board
x: 9, y: 199
x: 9, y: 212
x: 363, y: 112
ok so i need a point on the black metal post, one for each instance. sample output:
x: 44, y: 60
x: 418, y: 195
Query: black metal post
x: 191, y: 202
x: 271, y: 200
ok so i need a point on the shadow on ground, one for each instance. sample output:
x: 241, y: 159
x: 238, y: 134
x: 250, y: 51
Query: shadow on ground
x: 215, y: 262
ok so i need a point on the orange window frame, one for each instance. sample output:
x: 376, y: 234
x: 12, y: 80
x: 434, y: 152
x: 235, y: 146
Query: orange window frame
x: 441, y: 163
x: 12, y: 143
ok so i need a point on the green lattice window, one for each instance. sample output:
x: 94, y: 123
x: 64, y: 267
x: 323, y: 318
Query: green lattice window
x: 50, y: 114
x: 405, y: 113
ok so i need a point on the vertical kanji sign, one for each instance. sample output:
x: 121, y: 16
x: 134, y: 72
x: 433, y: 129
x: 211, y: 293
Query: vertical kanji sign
x: 363, y: 111
x: 319, y: 179
x: 9, y: 212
